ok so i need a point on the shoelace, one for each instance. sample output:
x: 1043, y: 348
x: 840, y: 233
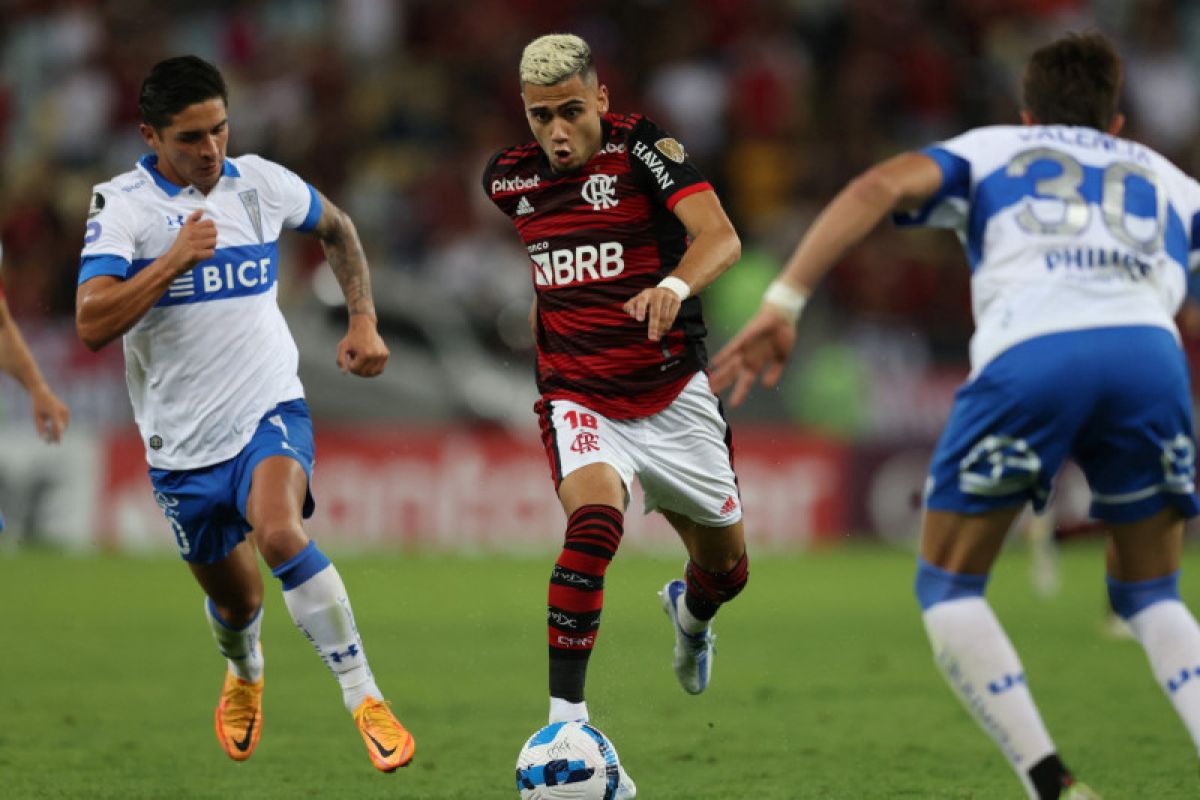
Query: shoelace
x: 239, y: 701
x: 377, y: 717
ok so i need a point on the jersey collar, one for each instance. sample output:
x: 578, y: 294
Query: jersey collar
x: 149, y: 163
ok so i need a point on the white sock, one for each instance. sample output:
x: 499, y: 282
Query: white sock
x: 322, y: 612
x: 983, y: 669
x: 564, y: 711
x: 238, y: 645
x: 1169, y: 634
x: 687, y: 621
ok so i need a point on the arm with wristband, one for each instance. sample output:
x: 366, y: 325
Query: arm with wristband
x: 764, y: 344
x: 714, y: 248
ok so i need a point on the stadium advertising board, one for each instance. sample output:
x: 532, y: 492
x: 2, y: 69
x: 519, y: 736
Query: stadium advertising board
x: 460, y: 489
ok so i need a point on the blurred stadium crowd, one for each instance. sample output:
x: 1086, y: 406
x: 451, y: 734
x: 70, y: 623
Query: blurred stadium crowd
x: 391, y: 107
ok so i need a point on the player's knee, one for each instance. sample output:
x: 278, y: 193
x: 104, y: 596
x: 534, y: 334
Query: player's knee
x: 934, y: 585
x: 595, y: 531
x: 279, y: 541
x: 719, y: 587
x: 1130, y: 597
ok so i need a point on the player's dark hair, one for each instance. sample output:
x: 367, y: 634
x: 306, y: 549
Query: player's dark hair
x: 175, y: 84
x: 1075, y: 80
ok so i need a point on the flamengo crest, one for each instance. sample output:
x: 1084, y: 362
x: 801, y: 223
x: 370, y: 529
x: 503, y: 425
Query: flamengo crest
x: 601, y: 192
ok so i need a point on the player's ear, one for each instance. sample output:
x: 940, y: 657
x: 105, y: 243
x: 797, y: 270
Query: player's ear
x: 1027, y: 118
x: 602, y: 100
x: 149, y: 135
x: 1118, y: 122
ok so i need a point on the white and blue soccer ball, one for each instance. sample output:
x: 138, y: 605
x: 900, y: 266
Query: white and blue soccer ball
x: 568, y: 761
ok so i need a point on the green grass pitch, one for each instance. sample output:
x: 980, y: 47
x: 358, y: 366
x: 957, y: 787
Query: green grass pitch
x: 823, y: 684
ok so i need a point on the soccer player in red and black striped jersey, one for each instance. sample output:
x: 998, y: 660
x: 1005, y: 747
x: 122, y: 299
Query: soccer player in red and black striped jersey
x: 623, y: 232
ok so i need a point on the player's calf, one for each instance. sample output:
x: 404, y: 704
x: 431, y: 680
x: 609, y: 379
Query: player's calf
x: 983, y: 669
x: 576, y: 598
x: 1170, y: 636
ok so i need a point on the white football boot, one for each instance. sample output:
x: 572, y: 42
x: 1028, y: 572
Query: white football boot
x: 693, y: 651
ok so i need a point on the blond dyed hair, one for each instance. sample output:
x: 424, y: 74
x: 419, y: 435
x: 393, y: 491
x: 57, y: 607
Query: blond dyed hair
x: 556, y: 57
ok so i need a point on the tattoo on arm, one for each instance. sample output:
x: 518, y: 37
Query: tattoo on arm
x: 344, y: 251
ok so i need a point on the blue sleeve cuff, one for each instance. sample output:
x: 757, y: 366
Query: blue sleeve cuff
x: 956, y: 182
x: 92, y: 266
x: 314, y: 211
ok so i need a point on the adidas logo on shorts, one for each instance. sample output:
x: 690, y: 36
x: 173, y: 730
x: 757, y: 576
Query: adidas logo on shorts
x: 730, y: 506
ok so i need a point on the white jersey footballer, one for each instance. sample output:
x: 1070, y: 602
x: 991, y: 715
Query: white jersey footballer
x: 1065, y: 228
x: 194, y: 404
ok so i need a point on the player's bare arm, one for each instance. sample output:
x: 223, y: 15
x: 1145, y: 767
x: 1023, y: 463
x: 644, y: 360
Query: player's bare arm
x: 362, y: 351
x: 901, y: 183
x: 50, y: 414
x: 715, y: 247
x: 106, y: 307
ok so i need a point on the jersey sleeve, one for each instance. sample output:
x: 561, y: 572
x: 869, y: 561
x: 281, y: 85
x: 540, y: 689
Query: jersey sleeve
x: 948, y: 208
x: 485, y: 180
x: 299, y: 202
x: 109, y: 236
x: 661, y: 162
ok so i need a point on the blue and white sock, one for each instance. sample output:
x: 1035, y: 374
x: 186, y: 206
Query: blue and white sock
x: 238, y: 645
x: 316, y: 597
x: 982, y: 667
x: 1170, y: 636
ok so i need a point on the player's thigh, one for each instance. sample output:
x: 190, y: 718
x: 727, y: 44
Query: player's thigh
x: 278, y: 486
x: 685, y: 462
x: 1147, y: 549
x: 274, y: 473
x: 716, y: 549
x: 589, y: 455
x: 965, y: 543
x: 595, y: 484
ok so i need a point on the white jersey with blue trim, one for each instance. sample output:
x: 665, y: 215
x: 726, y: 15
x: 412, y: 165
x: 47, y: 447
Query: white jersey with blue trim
x: 1065, y: 228
x: 214, y: 353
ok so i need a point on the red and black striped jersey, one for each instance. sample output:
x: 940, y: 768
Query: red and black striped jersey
x: 596, y: 237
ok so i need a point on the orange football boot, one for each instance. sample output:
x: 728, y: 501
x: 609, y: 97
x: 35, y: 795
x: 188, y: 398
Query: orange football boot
x: 388, y: 743
x: 239, y: 716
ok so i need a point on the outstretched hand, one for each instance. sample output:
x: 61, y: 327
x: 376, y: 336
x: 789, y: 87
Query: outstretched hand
x: 362, y: 351
x: 762, y: 346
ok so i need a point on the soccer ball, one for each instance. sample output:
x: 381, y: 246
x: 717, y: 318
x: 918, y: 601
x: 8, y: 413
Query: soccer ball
x: 568, y: 761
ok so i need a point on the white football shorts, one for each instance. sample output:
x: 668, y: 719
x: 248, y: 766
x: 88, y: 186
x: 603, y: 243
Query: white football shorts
x: 682, y: 456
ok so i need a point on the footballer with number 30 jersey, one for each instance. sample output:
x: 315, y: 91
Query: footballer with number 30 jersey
x: 1080, y: 245
x: 622, y: 233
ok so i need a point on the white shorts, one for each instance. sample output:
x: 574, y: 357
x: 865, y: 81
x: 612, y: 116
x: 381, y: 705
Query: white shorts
x: 682, y: 456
